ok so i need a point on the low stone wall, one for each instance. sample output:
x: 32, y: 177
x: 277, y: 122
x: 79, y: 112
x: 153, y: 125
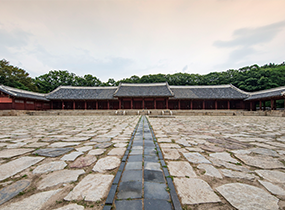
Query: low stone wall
x: 156, y: 112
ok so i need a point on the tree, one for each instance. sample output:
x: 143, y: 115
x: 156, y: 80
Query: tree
x: 15, y: 77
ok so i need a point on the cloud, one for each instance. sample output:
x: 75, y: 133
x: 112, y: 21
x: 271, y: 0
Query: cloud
x: 16, y: 38
x: 252, y: 36
x: 185, y: 68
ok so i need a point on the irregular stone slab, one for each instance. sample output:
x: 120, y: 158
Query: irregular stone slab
x: 183, y: 142
x: 210, y: 170
x: 94, y: 187
x: 196, y: 157
x: 212, y: 148
x: 194, y: 149
x: 281, y: 152
x: 117, y: 151
x: 84, y: 149
x: 195, y: 191
x: 63, y: 144
x: 60, y: 177
x: 225, y: 164
x: 48, y: 167
x: 263, y: 151
x: 71, y: 207
x: 12, y: 190
x: 72, y: 156
x: 169, y: 146
x: 12, y: 146
x: 224, y: 156
x: 244, y: 196
x: 260, y: 161
x: 103, y: 145
x: 120, y: 145
x: 274, y: 189
x: 52, y: 152
x: 8, y: 153
x: 107, y: 163
x: 237, y: 174
x: 37, y: 144
x: 263, y: 145
x: 272, y: 176
x: 15, y: 166
x: 171, y: 154
x: 96, y: 152
x: 75, y: 139
x: 180, y: 169
x: 83, y: 161
x: 34, y: 202
x: 166, y: 140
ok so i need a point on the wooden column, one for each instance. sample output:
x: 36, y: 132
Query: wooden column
x: 216, y: 104
x: 25, y: 104
x: 13, y: 103
x: 62, y: 105
x: 154, y: 103
x: 229, y: 105
x: 203, y: 104
x: 51, y: 105
x: 264, y: 106
x: 143, y: 103
x: 73, y: 104
x: 131, y: 103
x: 96, y: 104
x: 108, y: 104
x: 191, y: 104
x: 250, y: 106
x: 260, y: 105
x: 85, y: 105
x: 120, y: 103
x: 179, y: 104
x: 166, y: 103
x: 272, y: 105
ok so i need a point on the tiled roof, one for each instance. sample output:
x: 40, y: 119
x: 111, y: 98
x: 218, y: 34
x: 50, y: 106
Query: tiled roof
x: 143, y: 90
x: 274, y: 92
x: 82, y: 93
x: 22, y: 93
x: 208, y: 92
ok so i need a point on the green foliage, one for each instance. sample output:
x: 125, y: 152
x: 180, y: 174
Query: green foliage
x: 248, y: 78
x: 15, y: 77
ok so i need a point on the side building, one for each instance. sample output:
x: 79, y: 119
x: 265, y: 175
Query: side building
x: 140, y: 96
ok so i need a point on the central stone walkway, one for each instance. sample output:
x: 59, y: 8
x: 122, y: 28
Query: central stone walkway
x: 143, y: 184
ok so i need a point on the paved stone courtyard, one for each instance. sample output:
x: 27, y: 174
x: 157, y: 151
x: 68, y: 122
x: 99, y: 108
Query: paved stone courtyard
x: 70, y: 162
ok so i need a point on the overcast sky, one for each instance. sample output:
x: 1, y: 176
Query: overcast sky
x: 120, y: 38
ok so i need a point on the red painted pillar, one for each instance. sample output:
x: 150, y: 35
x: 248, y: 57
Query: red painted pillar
x: 108, y: 104
x: 154, y: 103
x: 120, y: 103
x: 25, y: 104
x: 51, y: 105
x: 131, y: 103
x: 179, y: 104
x: 143, y: 103
x: 260, y: 105
x: 73, y: 105
x: 62, y: 105
x: 13, y: 103
x: 96, y: 104
x: 229, y: 105
x: 166, y: 103
x: 272, y: 105
x: 203, y: 104
x: 85, y: 105
x: 216, y: 104
x: 250, y: 106
x: 191, y: 104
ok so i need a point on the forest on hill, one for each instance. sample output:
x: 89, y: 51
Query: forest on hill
x: 249, y: 78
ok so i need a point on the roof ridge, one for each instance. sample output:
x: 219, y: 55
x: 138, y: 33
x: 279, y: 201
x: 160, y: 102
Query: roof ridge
x: 239, y: 90
x: 199, y: 86
x: 11, y: 89
x: 144, y: 84
x: 267, y: 90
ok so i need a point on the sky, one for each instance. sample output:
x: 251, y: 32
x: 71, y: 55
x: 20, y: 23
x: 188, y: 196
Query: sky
x: 120, y: 38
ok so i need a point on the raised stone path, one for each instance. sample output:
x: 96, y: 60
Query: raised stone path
x: 143, y: 182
